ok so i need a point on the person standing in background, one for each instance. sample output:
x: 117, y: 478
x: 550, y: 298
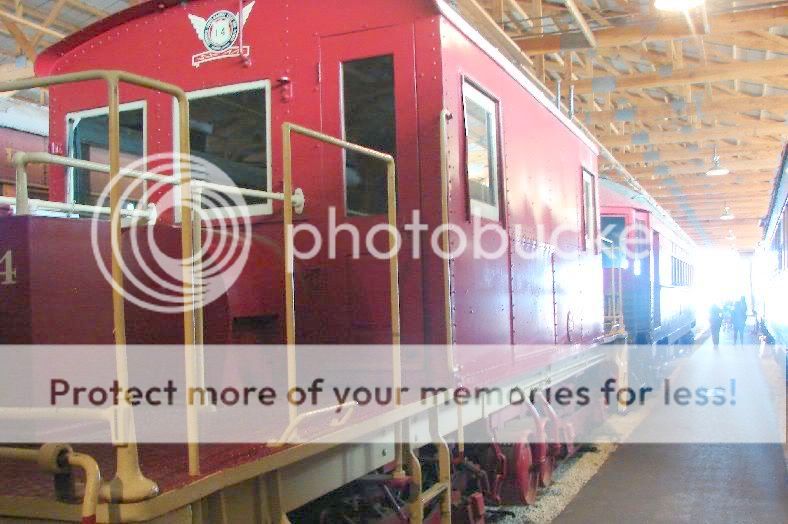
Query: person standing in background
x: 739, y: 320
x: 715, y: 320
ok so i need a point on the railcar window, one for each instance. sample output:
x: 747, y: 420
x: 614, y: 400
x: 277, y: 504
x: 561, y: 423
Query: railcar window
x: 613, y: 230
x: 481, y: 137
x: 229, y: 128
x: 589, y: 212
x: 369, y: 120
x: 89, y: 142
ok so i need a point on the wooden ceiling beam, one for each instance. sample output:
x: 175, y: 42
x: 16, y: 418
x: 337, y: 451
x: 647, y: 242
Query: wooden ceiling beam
x: 9, y: 72
x: 668, y: 171
x: 21, y: 40
x: 726, y: 152
x: 682, y: 109
x: 653, y: 31
x: 10, y: 17
x: 581, y: 23
x: 88, y: 9
x: 677, y: 191
x: 693, y: 135
x: 742, y: 201
x: 659, y: 187
x: 39, y: 16
x: 668, y: 76
x: 754, y: 40
x: 51, y: 17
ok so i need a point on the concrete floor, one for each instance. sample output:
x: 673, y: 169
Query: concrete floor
x: 692, y: 483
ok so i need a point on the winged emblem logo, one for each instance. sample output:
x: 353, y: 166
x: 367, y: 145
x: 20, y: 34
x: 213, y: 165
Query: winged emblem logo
x: 219, y: 33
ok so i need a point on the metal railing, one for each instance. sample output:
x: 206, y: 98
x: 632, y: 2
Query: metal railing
x: 59, y: 459
x: 288, y: 129
x: 129, y: 484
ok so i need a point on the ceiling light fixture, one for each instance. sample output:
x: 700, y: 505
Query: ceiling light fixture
x: 716, y: 166
x: 731, y: 236
x: 677, y: 5
x: 726, y: 214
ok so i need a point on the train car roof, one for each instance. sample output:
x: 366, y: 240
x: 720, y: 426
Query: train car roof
x: 613, y: 194
x: 24, y: 116
x: 47, y: 59
x: 779, y: 198
x: 491, y: 43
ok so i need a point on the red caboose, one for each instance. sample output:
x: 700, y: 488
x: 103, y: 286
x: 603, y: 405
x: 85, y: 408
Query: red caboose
x: 520, y: 183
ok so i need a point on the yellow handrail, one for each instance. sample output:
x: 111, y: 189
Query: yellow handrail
x: 288, y: 129
x: 129, y: 483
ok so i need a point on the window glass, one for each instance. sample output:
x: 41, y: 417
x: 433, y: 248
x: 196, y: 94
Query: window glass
x: 89, y: 136
x: 481, y: 138
x: 589, y: 212
x: 613, y: 254
x: 368, y: 106
x: 230, y: 130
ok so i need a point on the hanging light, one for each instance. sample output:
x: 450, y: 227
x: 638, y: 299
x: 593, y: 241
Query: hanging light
x: 677, y: 5
x: 726, y: 214
x: 716, y: 166
x: 731, y: 236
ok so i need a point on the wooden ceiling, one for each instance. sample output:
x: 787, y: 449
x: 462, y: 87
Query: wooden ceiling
x: 661, y: 90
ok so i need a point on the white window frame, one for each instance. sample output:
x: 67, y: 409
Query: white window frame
x: 265, y: 85
x: 590, y: 240
x: 72, y: 120
x: 489, y: 104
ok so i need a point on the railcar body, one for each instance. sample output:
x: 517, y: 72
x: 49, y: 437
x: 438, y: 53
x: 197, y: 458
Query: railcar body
x: 656, y: 265
x: 770, y: 263
x: 377, y: 73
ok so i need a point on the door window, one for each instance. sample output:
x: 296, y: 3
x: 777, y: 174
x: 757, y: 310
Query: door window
x: 369, y: 120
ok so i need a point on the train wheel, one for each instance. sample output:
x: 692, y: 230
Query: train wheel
x: 527, y: 477
x: 542, y: 462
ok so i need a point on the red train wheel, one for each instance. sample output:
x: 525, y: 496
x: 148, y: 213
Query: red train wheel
x: 543, y: 462
x: 527, y: 477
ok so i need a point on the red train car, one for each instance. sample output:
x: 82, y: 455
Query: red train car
x: 657, y: 268
x: 23, y: 127
x: 374, y: 72
x: 770, y: 263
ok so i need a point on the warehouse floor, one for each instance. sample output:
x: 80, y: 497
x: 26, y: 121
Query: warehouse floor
x: 693, y: 483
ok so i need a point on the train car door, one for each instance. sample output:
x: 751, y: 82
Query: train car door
x: 642, y: 273
x: 369, y: 97
x: 657, y: 280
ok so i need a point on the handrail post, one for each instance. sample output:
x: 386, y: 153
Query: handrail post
x: 290, y: 336
x: 129, y: 484
x: 192, y: 320
x: 22, y: 199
